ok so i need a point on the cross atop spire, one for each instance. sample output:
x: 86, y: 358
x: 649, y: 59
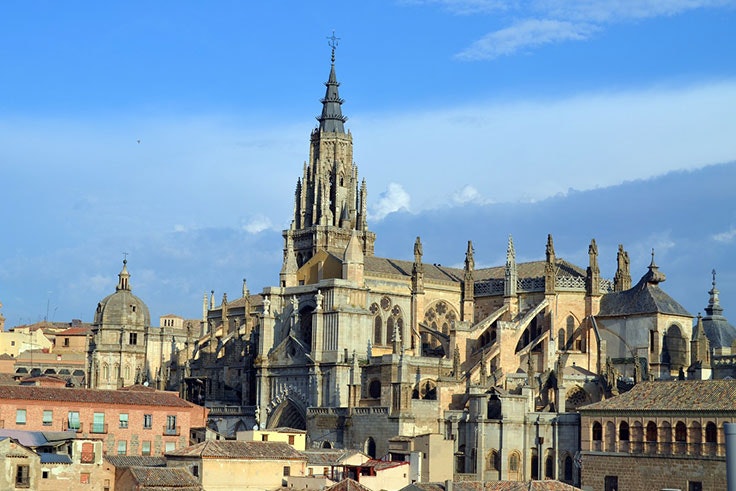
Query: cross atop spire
x: 332, y: 42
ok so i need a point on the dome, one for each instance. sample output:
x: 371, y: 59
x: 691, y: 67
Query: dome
x: 720, y: 333
x: 122, y: 308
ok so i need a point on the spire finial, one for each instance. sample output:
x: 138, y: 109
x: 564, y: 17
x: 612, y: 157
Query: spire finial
x: 332, y: 42
x: 125, y: 259
x: 714, y: 278
x: 652, y: 258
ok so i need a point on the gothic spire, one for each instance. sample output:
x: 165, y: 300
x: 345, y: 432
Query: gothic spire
x: 331, y: 118
x: 714, y: 305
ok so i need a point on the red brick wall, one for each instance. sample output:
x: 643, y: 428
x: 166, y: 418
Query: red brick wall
x: 134, y: 434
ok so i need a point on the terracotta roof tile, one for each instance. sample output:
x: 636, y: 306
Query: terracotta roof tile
x: 240, y: 450
x: 136, y: 461
x: 677, y: 395
x: 347, y: 485
x: 158, y: 477
x: 98, y: 396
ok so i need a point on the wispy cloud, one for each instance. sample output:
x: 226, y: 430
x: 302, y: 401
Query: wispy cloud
x: 541, y: 22
x: 726, y: 237
x: 528, y: 33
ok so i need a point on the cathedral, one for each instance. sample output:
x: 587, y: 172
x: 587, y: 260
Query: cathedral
x: 359, y: 349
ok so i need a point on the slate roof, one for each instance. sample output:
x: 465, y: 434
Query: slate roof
x: 229, y: 449
x: 38, y: 438
x: 546, y: 485
x: 646, y: 297
x: 136, y: 461
x: 161, y: 478
x: 676, y: 395
x: 347, y: 485
x: 54, y: 458
x: 95, y: 396
x: 533, y: 269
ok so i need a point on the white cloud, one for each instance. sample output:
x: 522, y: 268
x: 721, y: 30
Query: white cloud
x: 726, y: 237
x: 527, y: 150
x: 525, y: 34
x: 258, y: 224
x: 540, y: 22
x: 468, y: 194
x: 395, y: 198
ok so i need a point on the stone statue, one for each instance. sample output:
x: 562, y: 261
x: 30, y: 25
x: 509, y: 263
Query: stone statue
x: 318, y: 299
x: 418, y: 251
x: 294, y: 306
x: 266, y: 306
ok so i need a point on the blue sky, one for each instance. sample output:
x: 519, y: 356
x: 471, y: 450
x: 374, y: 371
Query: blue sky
x: 471, y: 117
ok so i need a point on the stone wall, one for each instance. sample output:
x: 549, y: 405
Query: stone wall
x: 648, y: 473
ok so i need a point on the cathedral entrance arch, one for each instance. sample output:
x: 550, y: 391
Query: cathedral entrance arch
x: 288, y: 414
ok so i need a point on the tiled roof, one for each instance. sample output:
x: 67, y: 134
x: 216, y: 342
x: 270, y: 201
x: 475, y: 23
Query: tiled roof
x: 546, y: 485
x: 240, y: 450
x: 164, y: 477
x: 533, y: 269
x: 677, y: 395
x: 332, y: 456
x: 646, y: 297
x: 95, y: 396
x: 54, y: 458
x: 75, y: 331
x: 382, y: 464
x: 136, y: 461
x: 347, y: 485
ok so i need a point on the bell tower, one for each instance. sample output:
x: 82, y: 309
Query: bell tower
x: 330, y: 203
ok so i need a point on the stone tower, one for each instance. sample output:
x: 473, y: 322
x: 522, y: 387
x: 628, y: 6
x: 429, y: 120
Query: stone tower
x: 117, y: 351
x: 330, y: 204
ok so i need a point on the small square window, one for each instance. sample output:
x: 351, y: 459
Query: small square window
x: 123, y: 420
x: 291, y: 439
x: 146, y: 448
x: 44, y: 474
x: 48, y: 417
x: 20, y: 416
x: 264, y: 438
x: 147, y: 421
x: 84, y: 478
x: 287, y: 470
x: 170, y: 446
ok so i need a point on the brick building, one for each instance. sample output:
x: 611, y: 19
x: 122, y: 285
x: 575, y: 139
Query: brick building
x: 133, y: 421
x: 658, y: 435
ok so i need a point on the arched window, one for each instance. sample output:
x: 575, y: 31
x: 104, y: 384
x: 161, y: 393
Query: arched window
x: 494, y: 461
x: 561, y: 341
x: 105, y: 372
x: 370, y: 447
x: 389, y: 330
x: 570, y: 330
x: 568, y: 468
x: 674, y: 352
x: 549, y: 467
x: 377, y: 330
x: 711, y: 432
x: 597, y: 432
x: 623, y: 431
x: 680, y: 432
x: 610, y: 437
x: 651, y: 434
x: 514, y: 462
x: 374, y: 389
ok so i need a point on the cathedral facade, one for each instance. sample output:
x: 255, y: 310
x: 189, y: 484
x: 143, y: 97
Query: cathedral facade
x: 357, y: 349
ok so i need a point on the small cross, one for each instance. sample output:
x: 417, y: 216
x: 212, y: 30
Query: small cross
x: 125, y: 257
x: 333, y: 41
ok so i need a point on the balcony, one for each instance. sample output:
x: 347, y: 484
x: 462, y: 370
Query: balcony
x: 98, y: 428
x: 172, y: 431
x: 66, y: 427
